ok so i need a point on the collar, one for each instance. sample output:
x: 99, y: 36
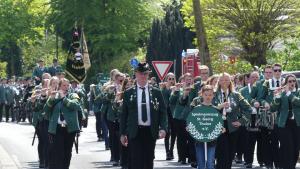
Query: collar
x: 274, y: 79
x: 146, y: 86
x: 227, y: 91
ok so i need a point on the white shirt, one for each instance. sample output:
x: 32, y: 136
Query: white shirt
x: 139, y: 99
x: 275, y: 81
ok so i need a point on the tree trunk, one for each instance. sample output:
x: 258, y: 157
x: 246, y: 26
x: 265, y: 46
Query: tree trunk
x: 201, y: 35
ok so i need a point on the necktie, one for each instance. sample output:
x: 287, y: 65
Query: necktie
x: 144, y: 106
x: 277, y: 83
x: 61, y: 116
x: 224, y: 97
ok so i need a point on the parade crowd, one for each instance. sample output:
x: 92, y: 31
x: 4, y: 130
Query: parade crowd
x: 259, y: 109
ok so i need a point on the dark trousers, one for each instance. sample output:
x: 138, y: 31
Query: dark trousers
x: 226, y: 148
x: 141, y: 149
x: 182, y: 139
x: 241, y: 146
x: 42, y: 134
x: 192, y: 149
x: 270, y: 146
x: 253, y: 137
x: 114, y: 136
x: 1, y: 110
x: 289, y: 138
x: 60, y: 148
x: 124, y: 161
x: 169, y: 143
x: 98, y: 124
x: 7, y: 112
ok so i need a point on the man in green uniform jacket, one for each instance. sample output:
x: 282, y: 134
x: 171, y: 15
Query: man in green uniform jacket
x: 143, y: 119
x: 3, y: 100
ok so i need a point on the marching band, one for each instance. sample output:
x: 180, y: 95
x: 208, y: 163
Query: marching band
x: 261, y: 111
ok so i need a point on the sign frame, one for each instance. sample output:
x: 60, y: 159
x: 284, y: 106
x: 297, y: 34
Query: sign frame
x: 162, y: 75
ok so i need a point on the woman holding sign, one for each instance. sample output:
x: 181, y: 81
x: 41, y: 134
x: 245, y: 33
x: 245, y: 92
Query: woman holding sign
x: 235, y: 112
x: 205, y: 125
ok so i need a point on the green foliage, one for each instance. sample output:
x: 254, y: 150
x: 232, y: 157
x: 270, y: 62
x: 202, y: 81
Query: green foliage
x: 114, y: 29
x: 240, y: 66
x: 3, y: 69
x: 289, y: 57
x: 251, y: 25
x: 20, y: 23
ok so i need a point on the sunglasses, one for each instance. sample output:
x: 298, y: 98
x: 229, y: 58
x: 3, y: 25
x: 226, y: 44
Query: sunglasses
x: 277, y: 70
x: 292, y: 81
x: 171, y: 78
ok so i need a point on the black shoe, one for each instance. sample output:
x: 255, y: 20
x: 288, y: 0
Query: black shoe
x: 261, y: 164
x: 171, y: 156
x: 194, y: 165
x: 106, y: 148
x: 238, y: 160
x: 42, y: 165
x: 183, y: 162
x: 116, y: 163
x: 269, y: 167
x: 249, y: 165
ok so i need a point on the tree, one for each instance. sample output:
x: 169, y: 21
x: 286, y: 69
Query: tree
x: 257, y: 24
x: 169, y: 37
x: 201, y: 35
x: 115, y: 30
x: 18, y: 25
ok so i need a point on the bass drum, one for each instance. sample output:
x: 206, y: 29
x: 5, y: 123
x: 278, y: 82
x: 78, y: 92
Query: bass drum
x: 267, y: 118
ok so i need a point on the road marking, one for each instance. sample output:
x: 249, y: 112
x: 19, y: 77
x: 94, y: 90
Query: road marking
x: 16, y: 160
x: 6, y: 162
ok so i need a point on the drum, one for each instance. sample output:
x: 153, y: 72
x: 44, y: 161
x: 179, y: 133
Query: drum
x: 267, y: 118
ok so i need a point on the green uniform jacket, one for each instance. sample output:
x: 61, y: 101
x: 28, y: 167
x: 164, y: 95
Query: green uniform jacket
x: 53, y: 70
x: 179, y: 111
x: 129, y: 116
x: 70, y: 110
x: 107, y: 108
x: 2, y: 94
x: 241, y: 109
x: 38, y: 111
x: 256, y: 89
x: 282, y: 105
x: 38, y: 72
x: 166, y: 95
x: 9, y: 95
x: 248, y: 96
x: 265, y: 94
x: 194, y: 92
x: 96, y: 99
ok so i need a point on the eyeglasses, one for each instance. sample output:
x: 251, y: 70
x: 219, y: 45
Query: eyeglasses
x: 171, y: 78
x: 269, y: 72
x: 292, y: 81
x: 277, y: 70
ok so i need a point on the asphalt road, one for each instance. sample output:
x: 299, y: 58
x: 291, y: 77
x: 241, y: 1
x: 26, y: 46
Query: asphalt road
x: 16, y: 151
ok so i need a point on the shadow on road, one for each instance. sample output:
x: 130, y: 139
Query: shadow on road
x: 31, y: 165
